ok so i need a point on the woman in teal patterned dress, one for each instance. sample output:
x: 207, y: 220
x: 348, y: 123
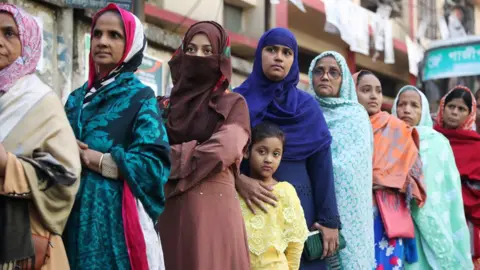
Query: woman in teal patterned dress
x: 125, y: 153
x: 352, y: 155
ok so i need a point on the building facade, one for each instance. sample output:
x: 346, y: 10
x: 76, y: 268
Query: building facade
x: 66, y: 30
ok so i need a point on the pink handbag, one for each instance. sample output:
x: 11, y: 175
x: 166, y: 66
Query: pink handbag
x: 396, y: 217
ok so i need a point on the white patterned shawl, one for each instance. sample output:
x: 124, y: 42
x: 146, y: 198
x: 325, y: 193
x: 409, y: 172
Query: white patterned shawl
x: 352, y: 154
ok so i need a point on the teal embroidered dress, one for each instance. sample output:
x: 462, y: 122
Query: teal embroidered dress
x: 442, y: 235
x: 352, y: 155
x: 123, y: 119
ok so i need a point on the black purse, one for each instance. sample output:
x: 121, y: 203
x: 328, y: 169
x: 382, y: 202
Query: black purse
x: 313, y: 249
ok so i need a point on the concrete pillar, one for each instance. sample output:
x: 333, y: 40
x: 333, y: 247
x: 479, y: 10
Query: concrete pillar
x: 65, y: 32
x: 351, y: 61
x: 139, y: 9
x: 477, y: 19
x: 255, y: 20
x: 412, y: 20
x: 281, y: 14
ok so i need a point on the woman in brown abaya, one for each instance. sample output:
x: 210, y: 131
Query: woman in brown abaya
x: 208, y: 128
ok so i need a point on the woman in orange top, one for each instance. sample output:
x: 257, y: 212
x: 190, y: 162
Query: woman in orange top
x: 397, y: 175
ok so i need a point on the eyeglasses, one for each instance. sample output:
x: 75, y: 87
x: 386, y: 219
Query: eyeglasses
x: 332, y: 73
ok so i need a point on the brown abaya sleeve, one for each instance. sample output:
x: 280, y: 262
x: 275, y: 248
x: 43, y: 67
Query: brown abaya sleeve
x: 191, y: 163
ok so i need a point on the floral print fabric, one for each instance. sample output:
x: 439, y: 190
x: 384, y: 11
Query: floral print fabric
x: 389, y: 253
x: 122, y: 119
x: 352, y: 152
x: 31, y: 40
x: 275, y: 230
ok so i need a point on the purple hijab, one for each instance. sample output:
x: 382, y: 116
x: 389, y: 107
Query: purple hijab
x: 293, y: 110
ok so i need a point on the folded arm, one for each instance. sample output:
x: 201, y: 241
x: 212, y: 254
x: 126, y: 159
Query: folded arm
x: 193, y: 162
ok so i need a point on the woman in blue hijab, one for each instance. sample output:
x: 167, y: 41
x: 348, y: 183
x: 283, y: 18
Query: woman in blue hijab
x: 272, y: 96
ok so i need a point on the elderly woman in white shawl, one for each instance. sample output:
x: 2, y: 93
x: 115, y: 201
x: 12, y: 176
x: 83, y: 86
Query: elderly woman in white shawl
x: 39, y: 158
x: 352, y: 154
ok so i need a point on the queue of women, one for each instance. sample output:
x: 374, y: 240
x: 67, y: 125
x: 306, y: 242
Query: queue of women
x: 264, y: 177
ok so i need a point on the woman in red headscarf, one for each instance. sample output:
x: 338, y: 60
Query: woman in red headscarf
x: 455, y: 120
x: 125, y: 153
x: 208, y: 129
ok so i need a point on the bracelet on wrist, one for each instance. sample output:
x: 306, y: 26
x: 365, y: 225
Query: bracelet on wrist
x: 100, y: 163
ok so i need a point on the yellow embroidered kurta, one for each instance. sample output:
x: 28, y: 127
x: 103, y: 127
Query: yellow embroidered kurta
x: 276, y: 238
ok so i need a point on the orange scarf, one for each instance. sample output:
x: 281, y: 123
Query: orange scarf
x: 396, y: 161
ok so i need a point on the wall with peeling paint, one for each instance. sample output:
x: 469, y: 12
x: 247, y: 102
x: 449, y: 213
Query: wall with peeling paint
x: 65, y: 57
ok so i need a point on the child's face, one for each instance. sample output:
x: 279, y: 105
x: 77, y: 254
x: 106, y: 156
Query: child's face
x: 265, y: 157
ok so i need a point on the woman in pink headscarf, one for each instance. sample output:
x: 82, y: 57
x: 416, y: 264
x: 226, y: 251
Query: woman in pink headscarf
x: 39, y: 160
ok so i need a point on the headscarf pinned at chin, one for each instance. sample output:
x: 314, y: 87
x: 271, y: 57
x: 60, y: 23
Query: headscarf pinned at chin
x: 425, y: 118
x: 296, y: 112
x: 31, y: 42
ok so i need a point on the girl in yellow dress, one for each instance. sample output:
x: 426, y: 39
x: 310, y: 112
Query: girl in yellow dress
x: 276, y: 237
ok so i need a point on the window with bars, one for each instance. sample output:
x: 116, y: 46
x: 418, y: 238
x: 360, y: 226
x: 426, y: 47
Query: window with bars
x: 427, y: 18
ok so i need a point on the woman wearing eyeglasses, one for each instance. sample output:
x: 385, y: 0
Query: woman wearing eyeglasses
x: 352, y: 152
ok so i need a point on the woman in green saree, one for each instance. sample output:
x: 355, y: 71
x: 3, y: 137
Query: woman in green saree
x: 440, y: 227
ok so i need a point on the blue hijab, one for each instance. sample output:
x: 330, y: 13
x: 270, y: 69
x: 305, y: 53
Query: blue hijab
x: 282, y: 103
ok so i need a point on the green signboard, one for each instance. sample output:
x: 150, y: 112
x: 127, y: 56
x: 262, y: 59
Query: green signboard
x: 98, y: 4
x: 452, y: 61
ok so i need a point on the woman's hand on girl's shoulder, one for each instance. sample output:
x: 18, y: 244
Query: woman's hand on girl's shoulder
x: 255, y: 192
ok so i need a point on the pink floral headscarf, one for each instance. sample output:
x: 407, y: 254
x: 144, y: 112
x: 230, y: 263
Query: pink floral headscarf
x: 31, y: 40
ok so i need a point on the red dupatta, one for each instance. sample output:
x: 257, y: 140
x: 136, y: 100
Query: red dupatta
x: 465, y: 144
x: 132, y: 55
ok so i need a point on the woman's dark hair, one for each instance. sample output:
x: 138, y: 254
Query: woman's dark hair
x: 363, y: 73
x: 460, y: 93
x: 266, y: 130
x: 113, y: 11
